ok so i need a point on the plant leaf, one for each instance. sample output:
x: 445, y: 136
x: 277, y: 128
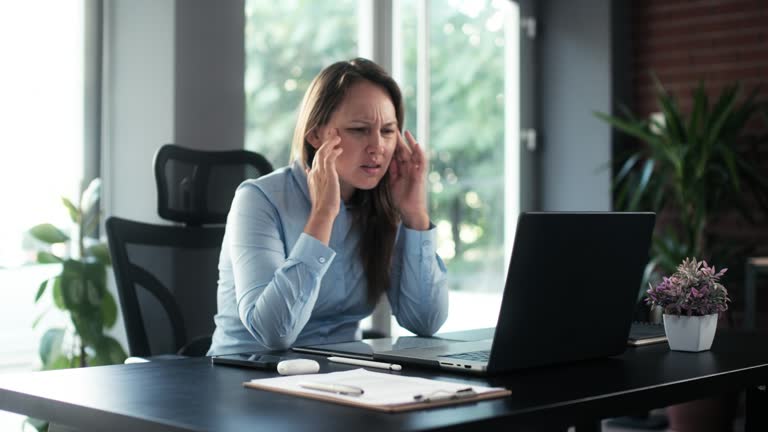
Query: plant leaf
x: 92, y: 223
x: 108, y: 310
x: 58, y: 296
x: 699, y: 111
x: 108, y: 351
x: 636, y: 129
x: 720, y: 113
x: 100, y: 252
x: 39, y: 424
x: 626, y: 168
x: 672, y: 118
x: 50, y: 345
x: 44, y: 257
x: 41, y: 290
x: 74, y: 213
x: 90, y: 196
x: 642, y: 184
x: 59, y: 362
x: 48, y: 233
x: 40, y: 317
x: 72, y: 284
x: 730, y: 163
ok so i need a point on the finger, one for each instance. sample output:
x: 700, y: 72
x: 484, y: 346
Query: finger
x: 418, y: 154
x: 333, y: 154
x: 328, y: 138
x: 327, y: 148
x: 402, y: 152
x: 402, y: 145
x: 410, y: 138
x: 394, y: 169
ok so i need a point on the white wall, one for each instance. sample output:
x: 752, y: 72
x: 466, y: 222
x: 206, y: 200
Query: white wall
x: 575, y: 80
x: 173, y: 73
x: 138, y: 102
x: 210, y: 71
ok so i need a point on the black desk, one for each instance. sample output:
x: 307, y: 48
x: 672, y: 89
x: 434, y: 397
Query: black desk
x: 755, y: 266
x: 193, y: 395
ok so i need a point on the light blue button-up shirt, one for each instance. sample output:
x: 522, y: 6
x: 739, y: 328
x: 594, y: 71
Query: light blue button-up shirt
x: 279, y: 287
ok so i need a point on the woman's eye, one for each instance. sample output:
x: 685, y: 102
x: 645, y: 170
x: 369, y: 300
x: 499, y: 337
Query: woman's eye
x: 358, y: 130
x: 387, y: 132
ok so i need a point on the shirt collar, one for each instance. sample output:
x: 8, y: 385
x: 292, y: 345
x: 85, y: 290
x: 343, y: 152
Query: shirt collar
x: 297, y: 170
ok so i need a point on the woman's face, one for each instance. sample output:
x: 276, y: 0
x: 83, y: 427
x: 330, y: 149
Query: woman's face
x: 367, y: 125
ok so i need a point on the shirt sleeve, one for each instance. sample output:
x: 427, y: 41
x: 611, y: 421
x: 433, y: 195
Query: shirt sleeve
x: 275, y: 294
x: 418, y: 293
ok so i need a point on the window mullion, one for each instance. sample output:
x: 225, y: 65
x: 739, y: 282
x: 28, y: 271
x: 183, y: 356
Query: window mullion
x: 422, y: 74
x: 376, y: 42
x: 376, y: 32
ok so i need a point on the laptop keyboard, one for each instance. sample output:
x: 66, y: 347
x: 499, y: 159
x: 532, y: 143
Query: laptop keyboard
x: 479, y: 356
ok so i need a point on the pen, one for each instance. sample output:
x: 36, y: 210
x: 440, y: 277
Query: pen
x: 373, y: 364
x: 333, y: 388
x: 442, y: 395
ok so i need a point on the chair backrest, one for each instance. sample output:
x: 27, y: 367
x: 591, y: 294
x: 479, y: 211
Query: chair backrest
x: 196, y: 187
x: 166, y: 277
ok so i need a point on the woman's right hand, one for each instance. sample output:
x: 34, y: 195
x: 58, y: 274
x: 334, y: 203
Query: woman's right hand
x: 322, y: 179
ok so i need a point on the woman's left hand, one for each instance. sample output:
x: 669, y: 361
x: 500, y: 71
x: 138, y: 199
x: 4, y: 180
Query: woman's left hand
x: 407, y: 180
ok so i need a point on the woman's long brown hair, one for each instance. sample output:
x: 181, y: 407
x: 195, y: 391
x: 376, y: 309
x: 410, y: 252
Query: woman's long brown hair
x: 376, y: 215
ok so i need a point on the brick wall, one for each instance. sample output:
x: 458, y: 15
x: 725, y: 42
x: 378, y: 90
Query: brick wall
x: 684, y: 41
x: 718, y: 42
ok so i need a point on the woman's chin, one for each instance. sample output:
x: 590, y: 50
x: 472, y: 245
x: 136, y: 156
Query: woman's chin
x: 368, y: 183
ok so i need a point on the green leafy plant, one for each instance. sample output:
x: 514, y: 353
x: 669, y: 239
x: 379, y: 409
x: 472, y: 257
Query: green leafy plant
x: 690, y: 167
x: 80, y: 290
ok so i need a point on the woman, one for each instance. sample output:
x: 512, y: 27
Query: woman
x: 310, y: 248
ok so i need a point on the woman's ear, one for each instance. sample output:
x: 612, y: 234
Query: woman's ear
x: 313, y: 136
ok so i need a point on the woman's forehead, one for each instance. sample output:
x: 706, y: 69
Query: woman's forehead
x: 367, y: 102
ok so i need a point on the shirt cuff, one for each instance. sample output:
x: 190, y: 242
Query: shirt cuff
x: 418, y: 242
x: 313, y: 253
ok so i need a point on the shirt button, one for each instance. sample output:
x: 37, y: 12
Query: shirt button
x: 425, y: 243
x: 321, y: 260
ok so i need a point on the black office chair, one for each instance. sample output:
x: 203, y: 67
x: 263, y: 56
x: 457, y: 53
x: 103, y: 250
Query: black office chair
x: 167, y: 274
x: 196, y: 187
x: 166, y: 278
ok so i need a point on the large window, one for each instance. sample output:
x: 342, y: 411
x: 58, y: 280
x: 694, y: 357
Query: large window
x: 457, y: 63
x: 42, y: 135
x: 470, y: 73
x: 287, y: 43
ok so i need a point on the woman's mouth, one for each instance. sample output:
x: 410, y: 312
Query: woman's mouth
x: 371, y: 169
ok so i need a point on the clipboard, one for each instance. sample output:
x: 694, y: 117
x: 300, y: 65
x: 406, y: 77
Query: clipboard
x: 383, y: 392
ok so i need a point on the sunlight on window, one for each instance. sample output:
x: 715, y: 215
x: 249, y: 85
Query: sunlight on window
x: 284, y: 49
x: 41, y: 108
x: 42, y: 111
x: 472, y: 110
x: 472, y: 106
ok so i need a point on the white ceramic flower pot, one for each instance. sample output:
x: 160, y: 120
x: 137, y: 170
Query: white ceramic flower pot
x: 690, y: 333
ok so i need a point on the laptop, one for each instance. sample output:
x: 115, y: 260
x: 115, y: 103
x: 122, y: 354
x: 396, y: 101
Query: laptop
x: 570, y: 293
x: 366, y: 349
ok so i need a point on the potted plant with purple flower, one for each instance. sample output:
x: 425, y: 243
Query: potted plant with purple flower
x: 691, y: 299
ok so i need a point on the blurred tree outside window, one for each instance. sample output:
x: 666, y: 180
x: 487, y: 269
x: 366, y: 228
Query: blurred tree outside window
x: 288, y: 43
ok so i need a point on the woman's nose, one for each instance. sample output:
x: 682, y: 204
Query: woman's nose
x: 375, y: 144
